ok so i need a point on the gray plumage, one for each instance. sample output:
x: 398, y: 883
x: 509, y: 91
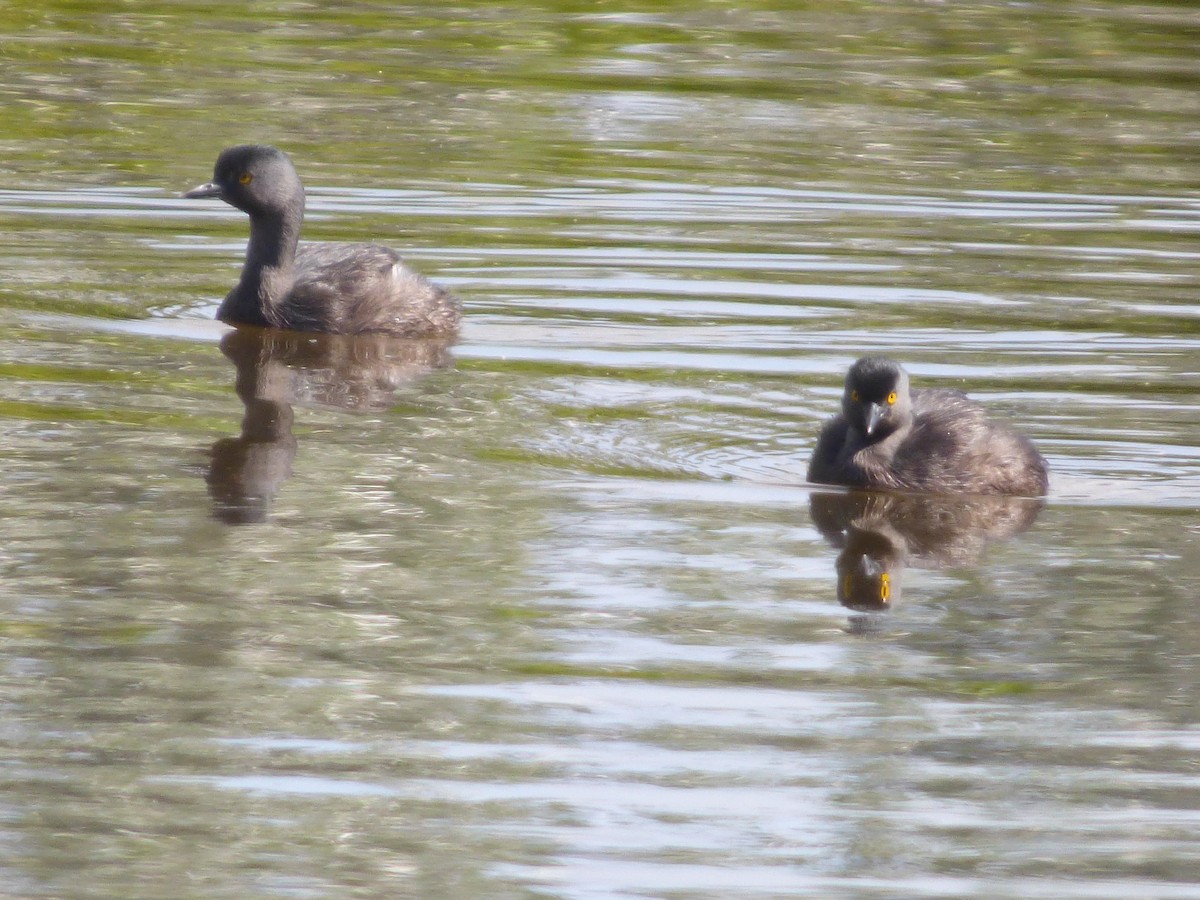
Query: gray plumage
x: 937, y: 441
x: 336, y: 288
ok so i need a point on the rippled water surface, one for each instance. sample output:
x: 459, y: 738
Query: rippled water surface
x: 552, y: 612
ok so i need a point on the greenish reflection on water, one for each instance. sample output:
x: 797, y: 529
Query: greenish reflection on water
x: 553, y: 615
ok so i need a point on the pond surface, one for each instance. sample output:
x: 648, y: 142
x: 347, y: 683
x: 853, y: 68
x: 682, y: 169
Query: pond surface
x: 552, y: 612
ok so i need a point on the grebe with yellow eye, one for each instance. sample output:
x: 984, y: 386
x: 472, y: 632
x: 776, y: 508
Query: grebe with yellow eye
x: 334, y: 288
x: 891, y: 437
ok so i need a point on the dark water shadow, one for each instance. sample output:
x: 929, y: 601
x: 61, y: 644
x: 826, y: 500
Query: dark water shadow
x: 279, y: 369
x: 881, y: 534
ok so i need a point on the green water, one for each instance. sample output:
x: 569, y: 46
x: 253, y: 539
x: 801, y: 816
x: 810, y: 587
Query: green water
x: 552, y: 612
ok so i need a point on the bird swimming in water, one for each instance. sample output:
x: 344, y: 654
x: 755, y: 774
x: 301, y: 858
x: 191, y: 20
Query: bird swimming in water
x: 928, y: 440
x: 335, y: 288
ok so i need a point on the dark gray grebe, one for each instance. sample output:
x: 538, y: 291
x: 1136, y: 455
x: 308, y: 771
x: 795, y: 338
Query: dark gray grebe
x: 935, y: 441
x: 337, y: 288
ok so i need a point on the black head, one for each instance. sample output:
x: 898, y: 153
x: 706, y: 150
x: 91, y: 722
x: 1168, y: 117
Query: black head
x: 255, y: 178
x: 876, y: 401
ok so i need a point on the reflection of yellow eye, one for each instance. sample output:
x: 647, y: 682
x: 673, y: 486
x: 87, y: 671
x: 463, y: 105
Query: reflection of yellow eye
x: 245, y: 178
x: 854, y: 396
x: 848, y: 586
x: 891, y: 398
x: 885, y: 586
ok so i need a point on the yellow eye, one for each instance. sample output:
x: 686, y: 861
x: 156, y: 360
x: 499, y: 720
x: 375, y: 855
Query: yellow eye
x: 891, y: 398
x: 885, y: 586
x: 245, y: 178
x: 854, y: 396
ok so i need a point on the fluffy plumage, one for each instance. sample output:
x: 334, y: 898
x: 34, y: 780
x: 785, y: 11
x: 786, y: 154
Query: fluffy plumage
x: 937, y: 441
x: 336, y: 288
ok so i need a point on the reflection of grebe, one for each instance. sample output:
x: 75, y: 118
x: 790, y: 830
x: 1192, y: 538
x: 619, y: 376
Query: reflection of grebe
x: 276, y: 369
x: 879, y: 534
x: 889, y: 437
x: 335, y: 288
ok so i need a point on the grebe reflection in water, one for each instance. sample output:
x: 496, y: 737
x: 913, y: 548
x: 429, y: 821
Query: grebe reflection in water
x: 279, y: 369
x: 880, y: 534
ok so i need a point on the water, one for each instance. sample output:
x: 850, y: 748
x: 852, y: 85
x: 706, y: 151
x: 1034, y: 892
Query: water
x: 552, y: 612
